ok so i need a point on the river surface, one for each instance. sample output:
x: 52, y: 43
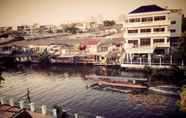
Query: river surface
x: 67, y: 86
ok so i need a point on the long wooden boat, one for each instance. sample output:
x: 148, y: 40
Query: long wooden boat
x: 116, y: 84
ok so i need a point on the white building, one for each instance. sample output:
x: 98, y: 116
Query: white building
x: 149, y: 30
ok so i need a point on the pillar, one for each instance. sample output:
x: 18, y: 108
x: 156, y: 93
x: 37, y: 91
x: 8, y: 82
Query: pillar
x: 134, y: 81
x: 149, y: 59
x: 160, y: 62
x: 2, y: 100
x: 21, y: 104
x: 182, y: 63
x: 130, y: 58
x: 32, y: 107
x: 140, y: 61
x: 171, y: 59
x: 54, y: 113
x: 11, y: 102
x: 151, y: 40
x: 44, y: 109
x: 127, y: 56
x: 76, y: 115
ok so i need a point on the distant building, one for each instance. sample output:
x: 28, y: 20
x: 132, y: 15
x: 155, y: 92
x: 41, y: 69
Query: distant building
x: 149, y: 30
x: 48, y: 29
x: 6, y: 29
x: 90, y: 45
x: 25, y: 29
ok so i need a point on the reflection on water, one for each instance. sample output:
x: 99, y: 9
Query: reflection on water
x: 67, y: 86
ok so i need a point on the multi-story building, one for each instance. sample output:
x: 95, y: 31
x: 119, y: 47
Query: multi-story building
x: 149, y: 30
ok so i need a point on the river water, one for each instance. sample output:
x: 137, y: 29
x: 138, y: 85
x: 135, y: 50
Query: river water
x: 67, y: 86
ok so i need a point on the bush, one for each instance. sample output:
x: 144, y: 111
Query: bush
x: 182, y: 102
x: 173, y: 75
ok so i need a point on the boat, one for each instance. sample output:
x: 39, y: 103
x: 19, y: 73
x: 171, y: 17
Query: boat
x: 168, y: 90
x: 121, y: 84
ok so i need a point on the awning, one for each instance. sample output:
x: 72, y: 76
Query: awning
x: 140, y: 50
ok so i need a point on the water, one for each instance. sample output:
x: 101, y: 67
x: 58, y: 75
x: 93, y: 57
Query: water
x: 67, y: 86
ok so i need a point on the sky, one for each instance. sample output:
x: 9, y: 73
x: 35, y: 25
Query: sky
x: 21, y: 12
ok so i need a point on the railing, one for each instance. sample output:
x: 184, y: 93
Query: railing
x: 42, y: 109
x: 156, y: 61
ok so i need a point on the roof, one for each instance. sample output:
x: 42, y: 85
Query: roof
x: 148, y: 8
x: 91, y: 41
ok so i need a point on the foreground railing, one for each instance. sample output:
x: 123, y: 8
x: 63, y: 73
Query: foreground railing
x: 42, y: 109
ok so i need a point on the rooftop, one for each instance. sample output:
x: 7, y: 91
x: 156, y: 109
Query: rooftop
x: 148, y: 8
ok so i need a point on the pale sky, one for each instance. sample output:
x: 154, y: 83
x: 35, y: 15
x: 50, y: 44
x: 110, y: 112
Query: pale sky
x: 20, y: 12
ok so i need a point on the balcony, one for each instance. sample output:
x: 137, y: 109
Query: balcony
x: 148, y: 24
x: 151, y: 34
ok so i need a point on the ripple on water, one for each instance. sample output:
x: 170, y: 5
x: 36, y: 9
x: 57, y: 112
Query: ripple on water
x: 68, y: 88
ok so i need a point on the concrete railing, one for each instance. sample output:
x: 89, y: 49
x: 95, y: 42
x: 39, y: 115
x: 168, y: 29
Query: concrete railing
x: 43, y: 109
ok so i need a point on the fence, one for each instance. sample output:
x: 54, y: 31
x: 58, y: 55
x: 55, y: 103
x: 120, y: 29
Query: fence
x: 42, y: 109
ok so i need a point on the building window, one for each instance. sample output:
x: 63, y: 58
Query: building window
x: 158, y: 40
x: 134, y: 42
x: 173, y: 22
x: 157, y: 18
x: 133, y: 20
x: 145, y: 41
x: 172, y: 30
x: 147, y: 19
x: 133, y: 31
x: 145, y: 30
x: 159, y: 29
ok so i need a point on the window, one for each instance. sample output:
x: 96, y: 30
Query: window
x: 147, y: 19
x: 159, y: 29
x: 145, y: 30
x: 134, y: 42
x: 158, y: 40
x: 157, y: 18
x: 173, y: 22
x: 133, y: 31
x: 132, y: 20
x: 172, y: 30
x: 145, y: 41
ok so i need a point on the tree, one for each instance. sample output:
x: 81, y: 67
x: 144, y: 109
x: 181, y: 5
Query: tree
x: 109, y: 23
x: 72, y: 29
x: 182, y: 101
x: 180, y: 53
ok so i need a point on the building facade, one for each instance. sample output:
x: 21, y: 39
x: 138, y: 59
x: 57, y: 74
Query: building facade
x: 149, y: 29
